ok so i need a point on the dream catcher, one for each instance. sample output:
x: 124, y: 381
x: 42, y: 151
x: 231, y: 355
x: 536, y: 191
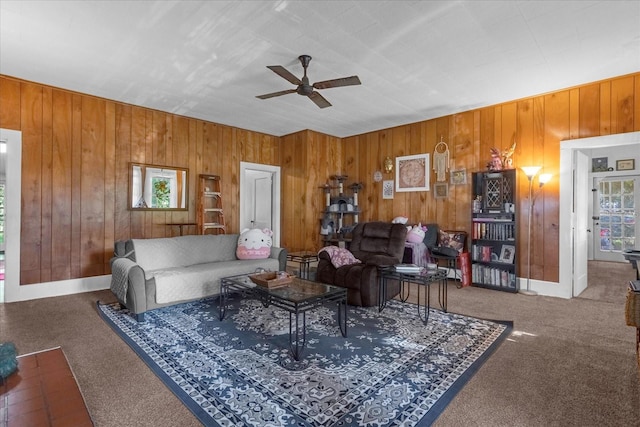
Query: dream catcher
x: 441, y: 160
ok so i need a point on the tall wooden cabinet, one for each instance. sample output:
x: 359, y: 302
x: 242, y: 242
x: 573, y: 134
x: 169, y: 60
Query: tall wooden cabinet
x: 494, y: 233
x: 210, y: 213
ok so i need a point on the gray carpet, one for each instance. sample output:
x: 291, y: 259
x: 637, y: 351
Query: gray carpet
x: 567, y: 363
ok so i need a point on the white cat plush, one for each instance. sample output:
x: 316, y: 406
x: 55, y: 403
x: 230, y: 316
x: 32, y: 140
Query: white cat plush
x: 254, y: 243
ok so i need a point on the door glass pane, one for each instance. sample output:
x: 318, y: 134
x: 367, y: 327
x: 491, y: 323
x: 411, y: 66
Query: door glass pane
x: 617, y: 214
x: 2, y: 216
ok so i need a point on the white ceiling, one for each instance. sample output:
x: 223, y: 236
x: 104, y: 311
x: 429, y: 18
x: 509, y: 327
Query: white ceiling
x: 417, y: 60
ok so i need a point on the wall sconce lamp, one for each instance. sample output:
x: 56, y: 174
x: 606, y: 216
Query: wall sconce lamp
x: 531, y: 172
x: 388, y: 165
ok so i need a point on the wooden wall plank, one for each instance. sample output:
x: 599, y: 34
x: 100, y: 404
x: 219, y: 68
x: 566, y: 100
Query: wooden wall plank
x: 604, y: 108
x: 636, y: 106
x: 30, y: 239
x: 10, y: 109
x: 622, y: 105
x: 308, y: 226
x: 590, y: 112
x: 61, y: 186
x: 76, y: 184
x: 138, y: 154
x: 46, y: 187
x: 557, y: 126
x: 122, y: 146
x: 92, y: 189
x: 109, y: 186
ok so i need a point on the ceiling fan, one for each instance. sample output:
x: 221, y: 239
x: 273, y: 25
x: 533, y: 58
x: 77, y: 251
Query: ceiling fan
x: 306, y: 89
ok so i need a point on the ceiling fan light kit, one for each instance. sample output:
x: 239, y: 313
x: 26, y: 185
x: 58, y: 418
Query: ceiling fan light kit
x: 303, y: 86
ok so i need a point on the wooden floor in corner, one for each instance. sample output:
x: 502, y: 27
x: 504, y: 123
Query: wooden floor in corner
x: 43, y: 392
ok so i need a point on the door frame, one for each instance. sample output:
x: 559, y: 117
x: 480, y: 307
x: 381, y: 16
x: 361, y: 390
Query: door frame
x: 275, y: 187
x: 13, y: 214
x: 567, y: 217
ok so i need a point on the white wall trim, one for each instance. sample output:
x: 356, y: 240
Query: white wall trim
x: 62, y: 287
x: 244, y: 166
x: 545, y: 288
x: 13, y: 221
x: 566, y: 220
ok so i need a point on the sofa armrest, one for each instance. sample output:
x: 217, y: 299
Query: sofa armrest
x: 136, y: 294
x: 281, y: 255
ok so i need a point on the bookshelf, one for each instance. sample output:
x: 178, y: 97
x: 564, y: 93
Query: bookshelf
x: 494, y: 233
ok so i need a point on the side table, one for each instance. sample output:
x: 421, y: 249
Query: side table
x: 423, y: 279
x: 304, y: 259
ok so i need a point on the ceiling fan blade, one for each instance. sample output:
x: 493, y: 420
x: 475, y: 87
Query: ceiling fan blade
x: 319, y: 100
x: 274, y: 94
x: 345, y: 81
x: 285, y: 74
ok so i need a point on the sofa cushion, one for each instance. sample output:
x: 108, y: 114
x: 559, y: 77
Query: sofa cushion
x: 201, y: 280
x: 168, y: 252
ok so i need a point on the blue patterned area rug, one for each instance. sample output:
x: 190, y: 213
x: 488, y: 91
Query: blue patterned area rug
x: 390, y: 370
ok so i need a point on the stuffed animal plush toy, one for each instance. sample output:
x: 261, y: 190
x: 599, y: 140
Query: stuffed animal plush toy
x: 416, y: 233
x: 254, y: 244
x: 8, y: 360
x: 400, y: 220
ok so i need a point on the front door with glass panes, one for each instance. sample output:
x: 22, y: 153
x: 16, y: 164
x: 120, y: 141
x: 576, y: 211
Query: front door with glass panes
x: 615, y: 216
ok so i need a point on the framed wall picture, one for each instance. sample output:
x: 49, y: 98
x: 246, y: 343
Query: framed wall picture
x: 626, y: 165
x: 459, y: 177
x: 507, y: 254
x: 441, y: 190
x: 599, y: 164
x: 387, y: 189
x: 412, y: 173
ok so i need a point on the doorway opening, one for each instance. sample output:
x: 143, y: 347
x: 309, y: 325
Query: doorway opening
x: 260, y: 198
x: 575, y: 223
x: 11, y: 176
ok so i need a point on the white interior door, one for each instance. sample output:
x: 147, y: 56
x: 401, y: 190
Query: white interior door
x: 260, y: 198
x: 580, y: 229
x: 614, y: 216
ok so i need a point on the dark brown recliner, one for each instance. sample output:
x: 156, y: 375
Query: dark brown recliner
x: 375, y: 244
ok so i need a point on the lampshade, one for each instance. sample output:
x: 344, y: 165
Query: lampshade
x: 530, y: 171
x: 544, y: 178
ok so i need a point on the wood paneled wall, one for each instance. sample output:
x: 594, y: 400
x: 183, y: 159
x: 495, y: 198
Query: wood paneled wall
x: 76, y: 150
x: 537, y: 124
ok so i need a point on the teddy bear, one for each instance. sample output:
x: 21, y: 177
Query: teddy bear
x: 254, y: 243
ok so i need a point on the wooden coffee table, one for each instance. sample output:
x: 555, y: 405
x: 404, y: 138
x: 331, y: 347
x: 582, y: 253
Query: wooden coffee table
x: 297, y: 298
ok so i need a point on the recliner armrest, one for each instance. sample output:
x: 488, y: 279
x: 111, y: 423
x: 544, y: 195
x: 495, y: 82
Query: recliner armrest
x: 381, y: 260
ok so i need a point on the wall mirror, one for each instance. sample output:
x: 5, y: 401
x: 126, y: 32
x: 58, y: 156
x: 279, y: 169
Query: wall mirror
x: 153, y: 187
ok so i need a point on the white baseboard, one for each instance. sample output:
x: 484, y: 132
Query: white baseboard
x: 57, y: 288
x: 550, y: 289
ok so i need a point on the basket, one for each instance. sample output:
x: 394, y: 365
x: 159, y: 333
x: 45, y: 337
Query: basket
x: 632, y: 312
x: 270, y: 279
x: 632, y: 305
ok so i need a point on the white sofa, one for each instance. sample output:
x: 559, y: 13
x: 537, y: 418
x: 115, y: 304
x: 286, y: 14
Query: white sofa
x: 153, y: 273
